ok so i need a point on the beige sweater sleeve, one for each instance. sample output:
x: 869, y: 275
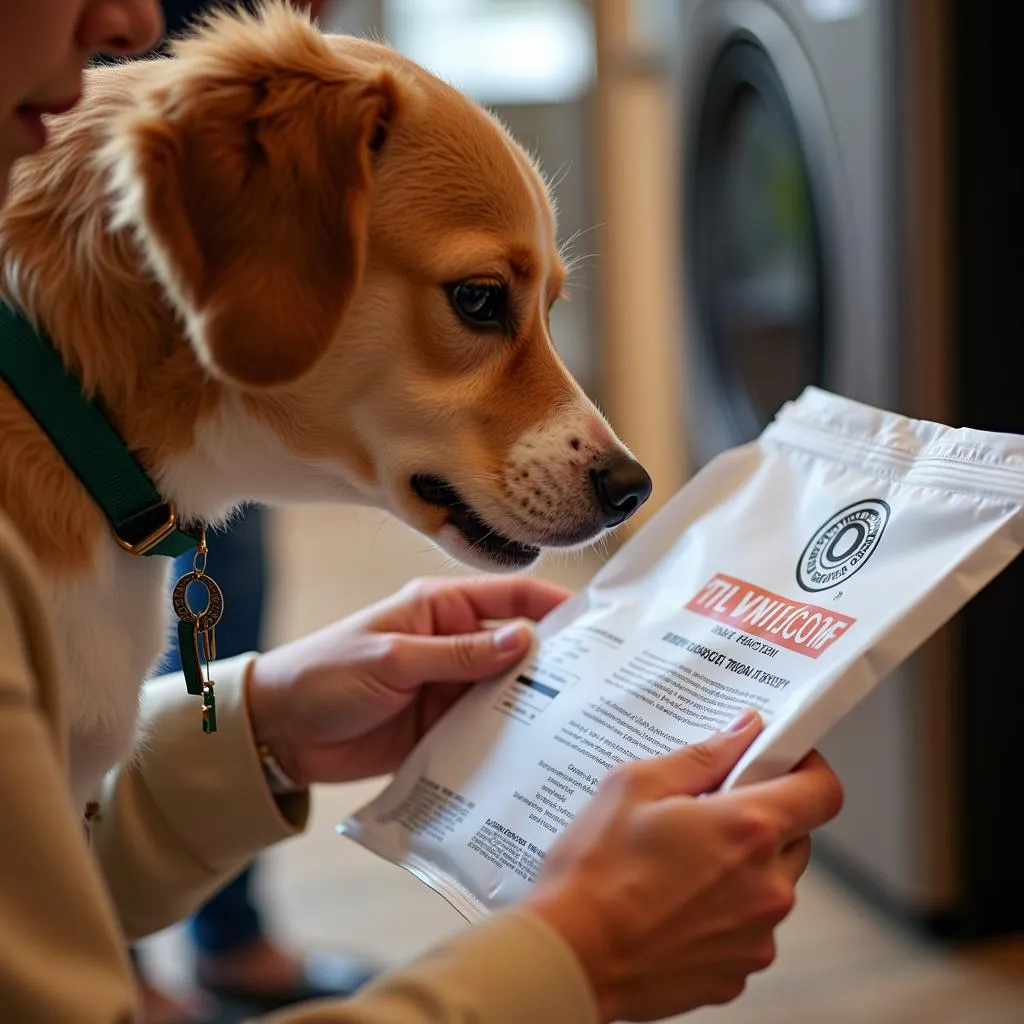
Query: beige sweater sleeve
x: 194, y: 806
x: 191, y: 808
x: 171, y: 825
x: 512, y: 969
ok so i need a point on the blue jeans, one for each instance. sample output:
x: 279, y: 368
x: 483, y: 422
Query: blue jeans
x: 238, y: 562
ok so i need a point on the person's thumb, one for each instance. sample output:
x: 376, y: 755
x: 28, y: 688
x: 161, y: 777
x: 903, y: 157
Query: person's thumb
x: 703, y: 767
x: 465, y: 657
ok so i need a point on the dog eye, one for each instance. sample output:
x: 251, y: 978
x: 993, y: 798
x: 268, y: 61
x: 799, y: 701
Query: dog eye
x: 480, y: 303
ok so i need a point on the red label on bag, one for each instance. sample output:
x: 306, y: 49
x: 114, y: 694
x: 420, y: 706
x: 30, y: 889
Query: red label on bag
x: 804, y: 628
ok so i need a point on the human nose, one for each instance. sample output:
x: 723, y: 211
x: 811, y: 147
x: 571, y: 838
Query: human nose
x: 120, y: 27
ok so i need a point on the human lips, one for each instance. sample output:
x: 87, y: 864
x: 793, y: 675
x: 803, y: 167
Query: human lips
x: 31, y: 117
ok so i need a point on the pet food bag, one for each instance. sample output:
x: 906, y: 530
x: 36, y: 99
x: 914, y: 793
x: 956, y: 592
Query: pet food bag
x: 791, y: 574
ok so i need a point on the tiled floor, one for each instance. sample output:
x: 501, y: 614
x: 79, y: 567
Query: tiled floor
x: 838, y: 963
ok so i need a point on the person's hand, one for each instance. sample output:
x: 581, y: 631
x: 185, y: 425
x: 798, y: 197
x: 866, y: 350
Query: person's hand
x: 670, y: 900
x: 352, y: 700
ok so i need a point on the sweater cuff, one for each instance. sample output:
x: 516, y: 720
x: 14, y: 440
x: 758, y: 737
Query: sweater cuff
x: 511, y: 969
x: 210, y: 787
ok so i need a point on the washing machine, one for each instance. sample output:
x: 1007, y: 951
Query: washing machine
x: 832, y: 169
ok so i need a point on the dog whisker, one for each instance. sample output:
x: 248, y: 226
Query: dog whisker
x: 563, y: 248
x: 380, y: 526
x: 581, y: 260
x: 559, y: 176
x: 578, y: 286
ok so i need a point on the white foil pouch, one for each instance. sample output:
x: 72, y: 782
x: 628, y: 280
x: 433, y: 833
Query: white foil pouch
x: 791, y: 574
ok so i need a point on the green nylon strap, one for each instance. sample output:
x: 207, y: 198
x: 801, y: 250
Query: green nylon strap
x: 84, y: 436
x: 188, y: 648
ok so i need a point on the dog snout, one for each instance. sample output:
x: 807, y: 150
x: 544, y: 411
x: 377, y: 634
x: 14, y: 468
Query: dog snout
x: 620, y: 485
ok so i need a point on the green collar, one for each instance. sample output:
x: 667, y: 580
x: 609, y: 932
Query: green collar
x: 142, y: 522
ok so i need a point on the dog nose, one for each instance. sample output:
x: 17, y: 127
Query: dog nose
x: 621, y: 485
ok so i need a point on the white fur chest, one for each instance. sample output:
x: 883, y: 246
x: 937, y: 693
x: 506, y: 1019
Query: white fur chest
x: 113, y: 621
x: 112, y: 627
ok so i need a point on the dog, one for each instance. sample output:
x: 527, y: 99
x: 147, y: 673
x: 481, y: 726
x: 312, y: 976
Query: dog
x: 292, y: 267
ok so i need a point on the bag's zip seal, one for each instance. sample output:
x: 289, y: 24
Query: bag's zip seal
x: 925, y: 467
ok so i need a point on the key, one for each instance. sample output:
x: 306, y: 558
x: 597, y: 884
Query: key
x: 209, y: 708
x: 196, y: 637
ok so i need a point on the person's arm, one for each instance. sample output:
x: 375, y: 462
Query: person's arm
x: 191, y: 808
x: 180, y: 818
x: 194, y: 806
x: 512, y: 969
x: 62, y: 954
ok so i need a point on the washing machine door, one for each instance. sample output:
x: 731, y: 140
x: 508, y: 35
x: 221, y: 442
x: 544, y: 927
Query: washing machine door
x: 761, y: 253
x: 755, y: 242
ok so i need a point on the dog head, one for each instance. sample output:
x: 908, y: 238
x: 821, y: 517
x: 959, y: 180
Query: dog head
x: 365, y: 261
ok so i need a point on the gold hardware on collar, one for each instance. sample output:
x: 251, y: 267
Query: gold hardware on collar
x: 199, y: 560
x: 160, y: 533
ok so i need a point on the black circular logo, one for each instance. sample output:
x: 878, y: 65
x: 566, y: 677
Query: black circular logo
x: 842, y: 545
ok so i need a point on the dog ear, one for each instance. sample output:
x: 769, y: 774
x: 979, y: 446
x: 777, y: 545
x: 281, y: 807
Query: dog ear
x: 253, y: 205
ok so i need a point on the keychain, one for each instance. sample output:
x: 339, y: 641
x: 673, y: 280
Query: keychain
x: 196, y: 637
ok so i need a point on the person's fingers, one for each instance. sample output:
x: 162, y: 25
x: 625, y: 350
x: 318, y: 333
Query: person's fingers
x: 435, y: 700
x: 795, y: 804
x: 503, y: 597
x: 697, y: 768
x: 795, y: 857
x: 520, y: 597
x: 462, y: 658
